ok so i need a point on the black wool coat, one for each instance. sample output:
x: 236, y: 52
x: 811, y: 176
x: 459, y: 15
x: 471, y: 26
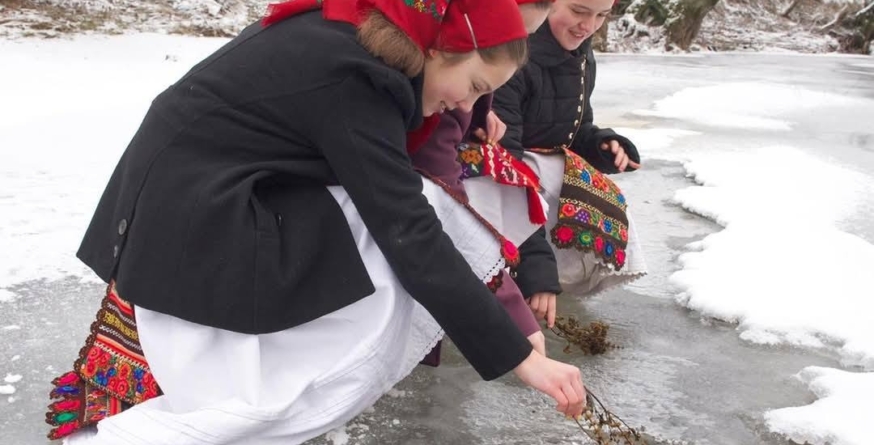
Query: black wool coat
x: 217, y: 212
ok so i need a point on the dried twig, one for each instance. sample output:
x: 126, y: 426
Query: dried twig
x: 605, y: 428
x: 591, y: 339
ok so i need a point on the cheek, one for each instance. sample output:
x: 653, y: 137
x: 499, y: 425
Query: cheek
x: 562, y: 22
x: 453, y: 89
x: 433, y: 90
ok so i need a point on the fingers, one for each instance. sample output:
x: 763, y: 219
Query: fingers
x: 500, y: 131
x: 580, y: 389
x: 539, y: 306
x: 550, y: 311
x: 481, y: 134
x: 492, y: 124
x: 621, y: 161
x: 496, y: 127
x: 575, y: 400
x: 611, y: 146
x: 558, y: 380
x: 558, y: 393
x: 620, y: 158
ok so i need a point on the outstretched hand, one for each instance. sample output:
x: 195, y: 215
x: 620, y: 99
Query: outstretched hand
x: 558, y: 380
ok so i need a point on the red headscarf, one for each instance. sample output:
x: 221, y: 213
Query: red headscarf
x: 446, y: 25
x: 473, y: 24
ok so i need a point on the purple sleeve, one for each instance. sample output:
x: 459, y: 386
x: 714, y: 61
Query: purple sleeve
x: 510, y: 297
x: 438, y: 156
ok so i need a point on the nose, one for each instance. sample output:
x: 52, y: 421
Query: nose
x: 587, y: 25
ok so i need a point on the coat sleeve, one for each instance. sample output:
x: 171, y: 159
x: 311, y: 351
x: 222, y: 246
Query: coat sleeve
x: 589, y: 137
x: 508, y: 103
x: 363, y: 141
x: 537, y: 270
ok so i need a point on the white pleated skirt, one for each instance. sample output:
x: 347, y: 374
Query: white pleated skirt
x: 222, y: 387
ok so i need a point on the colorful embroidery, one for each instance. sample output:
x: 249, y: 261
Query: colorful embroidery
x: 437, y: 8
x: 492, y: 160
x: 110, y: 375
x: 591, y: 214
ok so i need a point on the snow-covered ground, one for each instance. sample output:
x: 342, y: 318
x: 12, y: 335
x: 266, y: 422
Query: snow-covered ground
x: 69, y: 107
x: 786, y: 167
x: 785, y: 269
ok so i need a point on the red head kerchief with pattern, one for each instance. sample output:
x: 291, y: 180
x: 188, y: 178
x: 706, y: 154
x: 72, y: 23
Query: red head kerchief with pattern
x: 476, y: 24
x: 418, y: 19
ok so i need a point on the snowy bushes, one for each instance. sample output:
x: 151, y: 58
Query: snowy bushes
x: 678, y: 20
x: 856, y: 30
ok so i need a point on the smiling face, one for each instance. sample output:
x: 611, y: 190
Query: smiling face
x: 458, y: 80
x: 574, y: 21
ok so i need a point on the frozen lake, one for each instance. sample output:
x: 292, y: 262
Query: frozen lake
x: 772, y: 138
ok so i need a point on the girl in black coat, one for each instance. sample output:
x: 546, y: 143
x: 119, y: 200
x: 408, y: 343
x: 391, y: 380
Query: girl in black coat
x: 274, y: 243
x: 548, y: 104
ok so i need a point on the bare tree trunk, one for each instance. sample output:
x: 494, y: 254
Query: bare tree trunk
x: 838, y: 18
x: 789, y: 8
x: 685, y: 21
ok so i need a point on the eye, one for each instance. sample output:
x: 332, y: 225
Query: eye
x: 476, y: 88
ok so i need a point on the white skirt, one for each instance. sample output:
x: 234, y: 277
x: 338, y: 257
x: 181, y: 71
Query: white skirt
x: 506, y: 208
x: 222, y: 387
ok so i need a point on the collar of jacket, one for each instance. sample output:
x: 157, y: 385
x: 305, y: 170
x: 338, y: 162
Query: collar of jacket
x: 546, y: 51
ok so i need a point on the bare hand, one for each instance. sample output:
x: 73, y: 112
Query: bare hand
x: 620, y: 158
x: 538, y: 341
x: 558, y: 380
x: 494, y: 131
x: 543, y: 306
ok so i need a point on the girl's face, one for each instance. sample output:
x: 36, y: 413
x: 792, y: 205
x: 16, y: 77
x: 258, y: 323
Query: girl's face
x: 574, y: 21
x: 458, y: 80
